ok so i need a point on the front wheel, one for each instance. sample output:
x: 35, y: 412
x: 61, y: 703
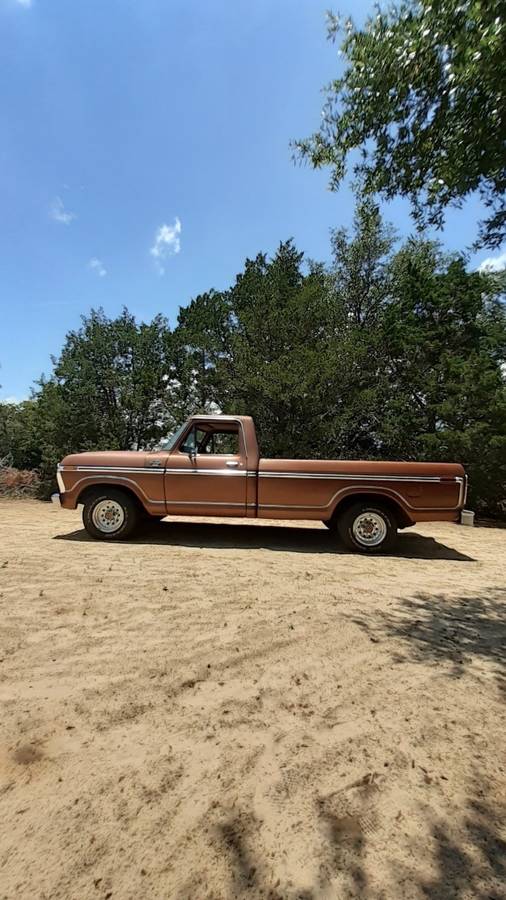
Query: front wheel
x: 110, y: 515
x: 368, y: 528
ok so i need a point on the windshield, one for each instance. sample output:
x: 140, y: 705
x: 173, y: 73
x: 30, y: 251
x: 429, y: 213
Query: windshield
x: 170, y: 442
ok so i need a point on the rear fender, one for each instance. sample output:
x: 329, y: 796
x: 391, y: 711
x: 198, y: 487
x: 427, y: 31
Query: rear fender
x: 391, y: 497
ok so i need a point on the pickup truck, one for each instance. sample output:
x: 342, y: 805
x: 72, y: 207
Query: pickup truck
x: 211, y: 467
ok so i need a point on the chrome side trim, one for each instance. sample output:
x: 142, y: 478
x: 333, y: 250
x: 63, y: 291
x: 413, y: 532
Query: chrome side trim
x: 118, y: 469
x: 236, y: 472
x: 60, y: 481
x: 155, y: 471
x: 354, y: 477
x: 205, y: 503
x: 252, y: 473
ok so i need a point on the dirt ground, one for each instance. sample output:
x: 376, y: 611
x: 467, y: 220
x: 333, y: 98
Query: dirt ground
x: 219, y: 710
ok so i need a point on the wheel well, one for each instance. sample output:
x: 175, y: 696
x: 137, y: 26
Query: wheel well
x: 88, y: 492
x: 401, y: 518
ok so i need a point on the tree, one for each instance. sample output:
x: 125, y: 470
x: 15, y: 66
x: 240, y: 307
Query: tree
x: 359, y: 284
x: 444, y: 334
x: 421, y: 108
x: 295, y: 345
x: 255, y: 348
x: 392, y: 354
x: 19, y: 444
x: 201, y: 344
x: 111, y: 378
x: 110, y: 389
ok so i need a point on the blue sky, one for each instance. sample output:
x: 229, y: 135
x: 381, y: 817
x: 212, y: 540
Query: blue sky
x: 144, y: 154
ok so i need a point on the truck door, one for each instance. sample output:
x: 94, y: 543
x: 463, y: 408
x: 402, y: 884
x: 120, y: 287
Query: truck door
x: 206, y: 472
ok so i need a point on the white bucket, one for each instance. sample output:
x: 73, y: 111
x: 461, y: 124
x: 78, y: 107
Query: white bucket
x: 467, y: 517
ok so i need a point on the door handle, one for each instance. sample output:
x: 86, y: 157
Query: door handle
x: 232, y: 463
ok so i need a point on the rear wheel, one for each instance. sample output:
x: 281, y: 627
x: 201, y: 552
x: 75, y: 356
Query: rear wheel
x: 110, y: 514
x: 368, y: 528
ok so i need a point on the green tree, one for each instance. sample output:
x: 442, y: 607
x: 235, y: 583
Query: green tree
x: 444, y: 335
x: 19, y: 439
x: 271, y: 367
x: 110, y: 389
x: 201, y: 346
x: 296, y: 346
x: 421, y: 108
x: 111, y: 377
x: 359, y: 284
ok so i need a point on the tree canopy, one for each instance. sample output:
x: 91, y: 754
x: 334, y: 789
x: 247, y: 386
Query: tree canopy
x: 420, y: 108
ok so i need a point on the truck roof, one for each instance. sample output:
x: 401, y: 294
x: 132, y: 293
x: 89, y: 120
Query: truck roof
x: 226, y: 418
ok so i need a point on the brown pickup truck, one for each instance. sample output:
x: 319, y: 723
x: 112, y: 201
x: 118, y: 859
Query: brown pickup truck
x: 211, y: 466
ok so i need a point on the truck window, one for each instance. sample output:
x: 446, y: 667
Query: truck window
x: 193, y: 440
x: 216, y: 442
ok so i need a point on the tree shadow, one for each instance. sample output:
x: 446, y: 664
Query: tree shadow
x: 245, y: 869
x: 244, y: 536
x: 474, y: 864
x: 233, y: 839
x: 346, y: 840
x: 458, y: 630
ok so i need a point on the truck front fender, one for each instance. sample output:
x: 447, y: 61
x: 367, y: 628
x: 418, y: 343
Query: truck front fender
x: 73, y: 495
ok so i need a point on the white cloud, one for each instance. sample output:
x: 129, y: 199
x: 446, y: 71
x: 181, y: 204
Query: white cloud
x: 493, y: 263
x: 25, y: 3
x: 58, y: 213
x: 98, y: 267
x: 167, y: 243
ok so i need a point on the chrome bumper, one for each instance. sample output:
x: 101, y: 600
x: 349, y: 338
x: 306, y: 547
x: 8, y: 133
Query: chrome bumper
x: 55, y: 498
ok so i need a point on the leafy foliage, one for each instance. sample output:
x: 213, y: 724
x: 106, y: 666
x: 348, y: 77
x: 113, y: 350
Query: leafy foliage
x: 108, y: 390
x: 420, y: 107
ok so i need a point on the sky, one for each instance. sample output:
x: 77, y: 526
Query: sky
x: 145, y: 154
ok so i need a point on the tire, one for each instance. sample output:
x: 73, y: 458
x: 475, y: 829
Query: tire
x: 109, y: 507
x: 368, y: 528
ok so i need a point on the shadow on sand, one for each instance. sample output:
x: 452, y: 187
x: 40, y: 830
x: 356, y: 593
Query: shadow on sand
x: 267, y: 537
x: 439, y: 628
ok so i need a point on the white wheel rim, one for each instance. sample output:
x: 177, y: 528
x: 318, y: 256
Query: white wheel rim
x: 369, y: 529
x: 108, y: 516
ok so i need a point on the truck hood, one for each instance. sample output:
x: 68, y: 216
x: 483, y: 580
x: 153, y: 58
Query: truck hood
x: 114, y: 459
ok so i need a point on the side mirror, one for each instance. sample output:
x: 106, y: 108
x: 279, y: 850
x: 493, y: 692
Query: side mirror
x: 191, y: 451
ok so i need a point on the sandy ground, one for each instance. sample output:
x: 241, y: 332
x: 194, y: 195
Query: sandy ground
x: 232, y: 710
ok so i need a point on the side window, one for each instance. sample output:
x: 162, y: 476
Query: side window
x: 193, y: 440
x: 225, y: 442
